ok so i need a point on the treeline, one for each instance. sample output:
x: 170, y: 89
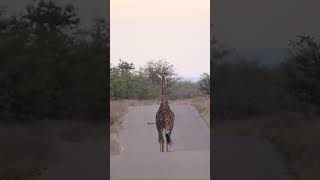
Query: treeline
x: 128, y: 83
x: 50, y: 67
x: 243, y: 87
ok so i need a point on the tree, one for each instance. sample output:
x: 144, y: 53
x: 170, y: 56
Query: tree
x: 47, y: 16
x: 159, y: 68
x: 46, y: 72
x: 218, y: 50
x: 124, y: 66
x: 204, y: 83
x: 303, y: 70
x: 122, y: 79
x: 99, y: 34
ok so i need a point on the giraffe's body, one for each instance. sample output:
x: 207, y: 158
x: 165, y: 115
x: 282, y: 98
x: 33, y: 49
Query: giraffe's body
x: 164, y: 118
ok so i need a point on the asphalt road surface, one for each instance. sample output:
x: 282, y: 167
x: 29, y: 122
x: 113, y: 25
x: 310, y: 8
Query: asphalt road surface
x: 234, y: 158
x: 247, y: 158
x: 79, y: 161
x: 189, y: 157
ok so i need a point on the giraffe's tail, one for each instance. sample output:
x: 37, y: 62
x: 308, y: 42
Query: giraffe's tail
x: 168, y: 139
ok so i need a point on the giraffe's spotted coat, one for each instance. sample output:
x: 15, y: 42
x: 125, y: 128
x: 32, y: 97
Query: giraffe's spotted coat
x: 164, y: 118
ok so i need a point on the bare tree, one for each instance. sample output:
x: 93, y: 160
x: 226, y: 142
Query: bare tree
x: 158, y: 69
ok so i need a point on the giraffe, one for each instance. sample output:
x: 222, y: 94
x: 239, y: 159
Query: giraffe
x: 164, y: 117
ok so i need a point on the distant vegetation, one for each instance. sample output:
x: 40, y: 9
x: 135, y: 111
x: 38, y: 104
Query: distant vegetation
x: 128, y: 83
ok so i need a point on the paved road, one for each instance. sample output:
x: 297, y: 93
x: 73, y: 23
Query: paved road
x: 189, y: 157
x: 246, y: 158
x: 79, y: 161
x: 234, y: 158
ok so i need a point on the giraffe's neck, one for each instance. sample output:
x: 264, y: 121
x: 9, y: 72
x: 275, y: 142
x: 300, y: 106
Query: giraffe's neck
x: 164, y: 101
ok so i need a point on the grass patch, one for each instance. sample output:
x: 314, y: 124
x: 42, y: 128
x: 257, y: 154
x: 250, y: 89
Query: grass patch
x: 117, y: 110
x: 202, y: 104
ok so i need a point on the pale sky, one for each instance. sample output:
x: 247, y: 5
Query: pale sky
x: 175, y: 30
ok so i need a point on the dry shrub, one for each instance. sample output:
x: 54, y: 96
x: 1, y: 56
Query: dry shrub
x: 115, y: 146
x: 117, y: 110
x: 202, y: 104
x: 27, y: 149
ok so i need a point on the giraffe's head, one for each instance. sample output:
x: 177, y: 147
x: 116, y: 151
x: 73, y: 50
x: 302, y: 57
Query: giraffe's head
x: 163, y: 78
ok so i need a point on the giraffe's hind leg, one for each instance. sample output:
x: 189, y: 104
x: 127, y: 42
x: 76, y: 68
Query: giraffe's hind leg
x: 167, y: 147
x: 162, y: 147
x: 161, y: 141
x: 168, y: 139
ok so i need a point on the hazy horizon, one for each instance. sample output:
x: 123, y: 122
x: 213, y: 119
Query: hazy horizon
x: 177, y: 31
